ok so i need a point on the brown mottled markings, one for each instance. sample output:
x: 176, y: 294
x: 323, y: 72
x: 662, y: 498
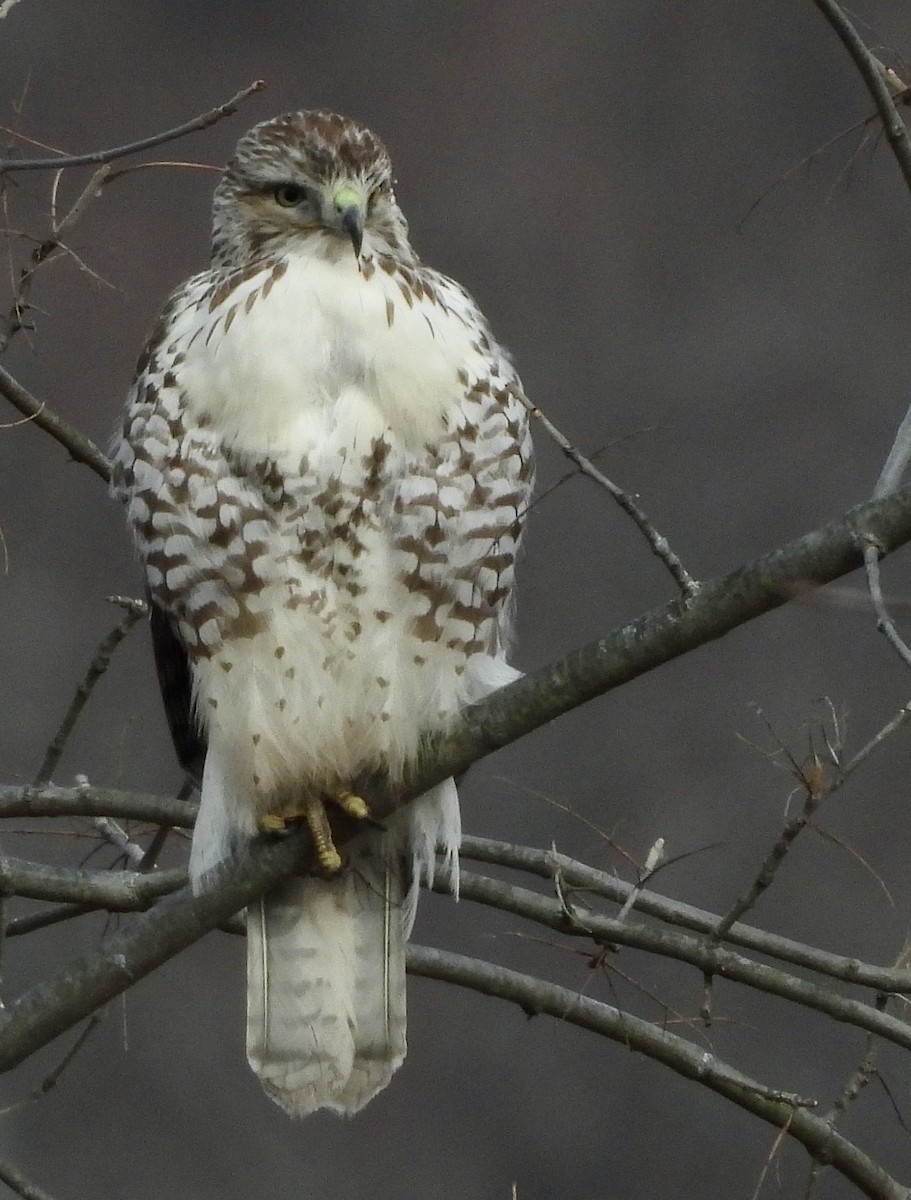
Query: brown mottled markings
x: 246, y: 624
x: 229, y: 317
x: 368, y: 269
x: 418, y: 545
x: 390, y: 311
x: 256, y: 739
x: 406, y: 292
x: 425, y: 627
x: 382, y: 615
x: 226, y: 666
x: 250, y: 301
x: 354, y: 544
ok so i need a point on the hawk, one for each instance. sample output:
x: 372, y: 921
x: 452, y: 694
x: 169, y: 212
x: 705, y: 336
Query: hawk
x: 326, y: 464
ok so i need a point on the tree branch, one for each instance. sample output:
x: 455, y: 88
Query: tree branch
x: 88, y: 801
x: 658, y: 544
x: 102, y: 156
x: 546, y: 863
x: 871, y: 72
x: 702, y: 954
x: 9, y: 1172
x: 81, y: 448
x: 136, y: 610
x: 536, y: 996
x: 665, y: 633
x: 631, y: 650
x: 117, y: 891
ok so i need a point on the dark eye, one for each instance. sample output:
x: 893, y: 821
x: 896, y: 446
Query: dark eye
x: 289, y: 194
x: 375, y: 195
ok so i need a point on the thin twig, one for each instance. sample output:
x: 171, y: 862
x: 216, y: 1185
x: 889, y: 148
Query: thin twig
x: 770, y: 864
x: 659, y: 544
x: 884, y: 622
x: 897, y: 460
x: 135, y: 611
x: 103, y: 156
x: 872, y: 72
x: 44, y: 252
x: 81, y: 448
x: 817, y: 788
x: 51, y: 1080
x: 120, y: 840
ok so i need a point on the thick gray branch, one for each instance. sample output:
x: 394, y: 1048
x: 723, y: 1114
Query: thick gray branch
x: 118, y: 891
x: 90, y: 801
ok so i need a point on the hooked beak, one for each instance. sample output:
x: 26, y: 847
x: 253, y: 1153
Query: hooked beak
x: 349, y: 206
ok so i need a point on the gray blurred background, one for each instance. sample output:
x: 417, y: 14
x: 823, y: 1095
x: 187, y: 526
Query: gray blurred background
x: 586, y: 170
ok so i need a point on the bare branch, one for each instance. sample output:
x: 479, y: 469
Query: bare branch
x: 81, y: 448
x: 873, y: 75
x: 136, y: 610
x: 884, y: 622
x: 665, y: 633
x: 674, y: 912
x: 103, y: 156
x: 635, y: 648
x: 9, y: 1172
x: 700, y: 953
x: 88, y: 801
x: 118, y: 891
x: 534, y: 996
x: 659, y: 544
x: 51, y: 1080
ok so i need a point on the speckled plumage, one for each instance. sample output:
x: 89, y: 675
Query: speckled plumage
x: 326, y: 464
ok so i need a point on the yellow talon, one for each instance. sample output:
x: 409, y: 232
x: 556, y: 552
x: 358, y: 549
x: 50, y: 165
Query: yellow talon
x: 272, y: 823
x: 313, y: 810
x: 353, y: 805
x: 318, y: 823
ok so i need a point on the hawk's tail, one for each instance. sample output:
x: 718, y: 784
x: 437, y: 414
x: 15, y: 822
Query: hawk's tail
x: 326, y: 986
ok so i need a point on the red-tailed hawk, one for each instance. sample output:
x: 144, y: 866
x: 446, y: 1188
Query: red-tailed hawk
x: 326, y: 464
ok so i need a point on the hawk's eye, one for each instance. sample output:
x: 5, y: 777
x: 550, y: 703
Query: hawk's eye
x: 289, y: 194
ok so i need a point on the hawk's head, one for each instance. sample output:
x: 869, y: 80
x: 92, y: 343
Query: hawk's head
x: 307, y: 175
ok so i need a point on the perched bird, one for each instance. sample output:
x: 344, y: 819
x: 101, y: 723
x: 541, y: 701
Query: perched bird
x: 326, y: 464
